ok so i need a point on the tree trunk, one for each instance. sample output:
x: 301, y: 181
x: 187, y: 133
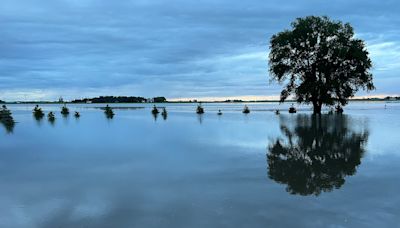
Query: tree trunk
x: 317, y: 107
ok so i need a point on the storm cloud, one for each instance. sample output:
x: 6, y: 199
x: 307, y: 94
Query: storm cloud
x: 177, y: 49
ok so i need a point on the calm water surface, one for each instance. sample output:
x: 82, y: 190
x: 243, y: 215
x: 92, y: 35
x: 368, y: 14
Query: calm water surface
x: 234, y: 170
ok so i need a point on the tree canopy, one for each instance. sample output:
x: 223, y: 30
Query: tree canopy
x: 321, y: 61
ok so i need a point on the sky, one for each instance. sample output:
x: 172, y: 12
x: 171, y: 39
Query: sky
x: 178, y: 48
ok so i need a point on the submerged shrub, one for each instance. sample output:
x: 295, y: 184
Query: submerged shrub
x: 154, y: 111
x: 246, y: 110
x: 6, y: 118
x: 5, y: 114
x: 200, y: 109
x: 64, y: 110
x: 38, y: 113
x: 51, y: 117
x: 109, y: 112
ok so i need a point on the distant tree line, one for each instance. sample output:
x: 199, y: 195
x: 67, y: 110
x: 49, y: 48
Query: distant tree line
x: 2, y: 102
x: 392, y: 98
x: 120, y: 99
x: 234, y: 100
x: 388, y: 98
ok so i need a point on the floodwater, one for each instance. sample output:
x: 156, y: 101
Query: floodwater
x: 186, y: 170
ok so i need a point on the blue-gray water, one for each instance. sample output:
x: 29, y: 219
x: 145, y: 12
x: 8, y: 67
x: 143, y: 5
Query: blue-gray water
x: 234, y: 170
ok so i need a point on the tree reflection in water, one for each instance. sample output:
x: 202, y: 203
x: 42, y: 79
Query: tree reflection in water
x: 8, y: 125
x: 6, y: 119
x: 318, y: 152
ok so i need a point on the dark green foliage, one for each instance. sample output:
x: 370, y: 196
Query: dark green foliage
x: 77, y: 115
x: 109, y: 112
x: 5, y: 113
x: 219, y: 112
x: 339, y: 109
x: 316, y: 154
x: 120, y: 99
x: 233, y: 101
x: 159, y: 99
x: 2, y: 102
x: 200, y: 109
x: 6, y: 119
x: 38, y: 113
x: 64, y: 110
x: 321, y: 62
x: 154, y: 111
x: 246, y: 110
x: 391, y: 98
x: 111, y: 99
x: 277, y: 112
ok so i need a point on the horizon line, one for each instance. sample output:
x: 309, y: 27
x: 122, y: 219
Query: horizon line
x: 265, y: 98
x: 246, y: 98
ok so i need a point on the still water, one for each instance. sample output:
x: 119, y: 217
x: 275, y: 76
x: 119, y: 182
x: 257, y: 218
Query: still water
x: 234, y: 170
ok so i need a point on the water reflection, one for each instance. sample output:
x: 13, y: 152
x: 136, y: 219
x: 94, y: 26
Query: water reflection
x: 6, y: 119
x: 108, y: 111
x: 51, y: 117
x: 200, y: 118
x: 316, y: 154
x: 155, y: 115
x: 109, y: 116
x: 38, y: 120
x: 8, y: 125
x: 164, y: 114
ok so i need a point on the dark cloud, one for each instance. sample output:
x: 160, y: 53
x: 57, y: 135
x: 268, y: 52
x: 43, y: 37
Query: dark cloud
x: 174, y: 48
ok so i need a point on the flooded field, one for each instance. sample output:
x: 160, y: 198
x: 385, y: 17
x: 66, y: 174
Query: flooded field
x: 189, y: 170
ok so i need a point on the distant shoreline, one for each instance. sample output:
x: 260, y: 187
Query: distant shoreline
x: 392, y: 99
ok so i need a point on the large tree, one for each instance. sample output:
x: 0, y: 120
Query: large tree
x: 321, y: 61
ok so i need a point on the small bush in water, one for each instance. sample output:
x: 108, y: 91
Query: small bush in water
x: 6, y: 115
x: 6, y: 119
x: 51, y: 117
x: 246, y: 110
x: 65, y: 110
x: 154, y: 110
x: 38, y: 113
x: 200, y: 109
x: 109, y: 112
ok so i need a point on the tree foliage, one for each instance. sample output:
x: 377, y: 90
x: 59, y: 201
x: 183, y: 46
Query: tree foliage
x: 321, y: 61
